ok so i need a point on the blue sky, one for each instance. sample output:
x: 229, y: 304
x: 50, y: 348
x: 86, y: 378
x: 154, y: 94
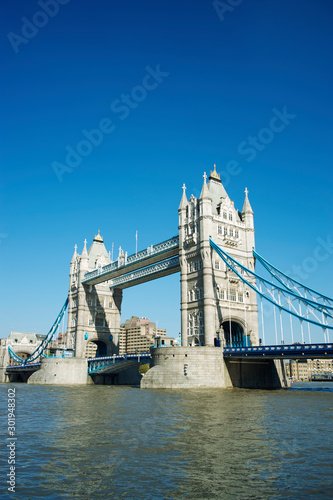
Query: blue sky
x: 221, y: 79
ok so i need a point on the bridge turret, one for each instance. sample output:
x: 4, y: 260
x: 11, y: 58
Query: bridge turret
x: 247, y: 218
x: 94, y: 310
x: 84, y: 259
x: 183, y: 212
x: 206, y: 222
x: 247, y: 212
x: 74, y: 255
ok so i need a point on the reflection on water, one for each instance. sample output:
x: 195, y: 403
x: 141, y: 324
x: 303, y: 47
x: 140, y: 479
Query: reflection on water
x: 126, y: 443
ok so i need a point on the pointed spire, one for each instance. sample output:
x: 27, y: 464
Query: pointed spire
x: 204, y: 191
x: 74, y: 254
x: 247, y: 206
x: 84, y: 254
x: 183, y: 201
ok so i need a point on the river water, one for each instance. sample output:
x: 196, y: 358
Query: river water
x: 121, y: 442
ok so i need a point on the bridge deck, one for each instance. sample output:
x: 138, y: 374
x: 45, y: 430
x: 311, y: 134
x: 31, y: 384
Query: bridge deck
x: 294, y: 351
x: 116, y: 363
x: 29, y: 367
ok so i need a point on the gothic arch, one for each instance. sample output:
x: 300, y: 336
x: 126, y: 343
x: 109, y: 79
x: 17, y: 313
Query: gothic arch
x: 236, y: 337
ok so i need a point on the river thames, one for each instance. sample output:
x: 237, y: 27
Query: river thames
x: 121, y: 442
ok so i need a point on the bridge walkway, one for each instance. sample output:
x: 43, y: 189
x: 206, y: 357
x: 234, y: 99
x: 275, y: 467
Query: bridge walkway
x: 127, y: 265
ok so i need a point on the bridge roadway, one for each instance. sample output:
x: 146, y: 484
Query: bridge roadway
x: 118, y: 363
x: 160, y: 259
x: 293, y: 351
x: 29, y: 367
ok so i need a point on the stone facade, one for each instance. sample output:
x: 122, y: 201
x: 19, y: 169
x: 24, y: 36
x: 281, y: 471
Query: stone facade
x: 94, y: 310
x: 305, y: 370
x: 186, y: 367
x: 216, y: 308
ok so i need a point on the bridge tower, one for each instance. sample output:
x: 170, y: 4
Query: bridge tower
x: 93, y: 310
x: 216, y: 308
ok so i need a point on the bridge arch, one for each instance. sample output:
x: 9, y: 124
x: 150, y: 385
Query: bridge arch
x: 24, y: 354
x: 96, y: 348
x: 236, y: 337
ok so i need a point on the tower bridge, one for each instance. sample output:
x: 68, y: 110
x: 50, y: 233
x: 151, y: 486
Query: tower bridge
x: 220, y: 291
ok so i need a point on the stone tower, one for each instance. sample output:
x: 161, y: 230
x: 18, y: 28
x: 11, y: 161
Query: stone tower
x: 93, y: 310
x: 216, y: 307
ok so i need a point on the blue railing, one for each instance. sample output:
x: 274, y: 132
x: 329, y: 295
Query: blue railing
x: 95, y: 364
x: 23, y: 367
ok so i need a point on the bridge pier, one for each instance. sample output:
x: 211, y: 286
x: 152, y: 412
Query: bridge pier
x: 61, y: 371
x: 186, y: 367
x: 205, y: 367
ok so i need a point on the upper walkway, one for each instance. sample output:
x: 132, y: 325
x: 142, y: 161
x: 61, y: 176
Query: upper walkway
x: 126, y: 265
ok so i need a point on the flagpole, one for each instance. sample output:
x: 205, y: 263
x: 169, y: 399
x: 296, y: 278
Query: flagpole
x: 136, y: 243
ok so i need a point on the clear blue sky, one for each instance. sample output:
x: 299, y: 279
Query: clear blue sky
x: 222, y: 77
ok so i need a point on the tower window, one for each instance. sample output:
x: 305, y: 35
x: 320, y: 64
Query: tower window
x: 230, y: 216
x: 219, y: 229
x: 236, y: 233
x: 233, y: 294
x: 217, y: 264
x: 240, y: 297
x: 99, y: 321
x: 225, y: 231
x: 231, y: 232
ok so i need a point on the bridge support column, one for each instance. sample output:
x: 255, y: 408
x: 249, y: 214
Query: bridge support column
x: 183, y: 301
x: 208, y: 291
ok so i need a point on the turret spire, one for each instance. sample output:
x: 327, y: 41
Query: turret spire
x: 247, y: 206
x: 84, y: 254
x: 74, y: 254
x: 183, y: 201
x: 204, y: 191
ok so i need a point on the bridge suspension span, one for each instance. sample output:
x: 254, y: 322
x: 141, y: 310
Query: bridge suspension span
x: 286, y: 294
x: 41, y: 348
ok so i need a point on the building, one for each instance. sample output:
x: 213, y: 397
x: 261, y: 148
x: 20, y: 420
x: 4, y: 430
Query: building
x: 139, y: 334
x: 309, y: 369
x: 216, y: 308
